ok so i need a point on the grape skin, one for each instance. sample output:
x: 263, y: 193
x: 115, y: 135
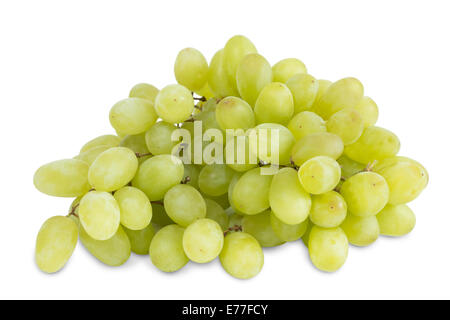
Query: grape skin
x: 304, y: 89
x: 396, y: 220
x: 317, y: 144
x: 347, y: 124
x: 234, y: 113
x: 144, y: 91
x: 260, y: 228
x: 287, y: 232
x: 135, y: 208
x: 214, y: 211
x: 184, y: 204
x: 361, y: 231
x: 132, y: 116
x: 108, y: 140
x: 191, y: 69
x: 283, y: 70
x: 328, y: 210
x: 319, y: 174
x: 140, y: 239
x: 328, y: 248
x: 174, y: 104
x: 275, y: 104
x: 305, y: 123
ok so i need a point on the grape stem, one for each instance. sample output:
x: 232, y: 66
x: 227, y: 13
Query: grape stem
x: 140, y: 155
x: 72, y: 212
x: 158, y: 202
x: 186, y: 180
x: 370, y: 166
x: 200, y: 99
x: 234, y: 228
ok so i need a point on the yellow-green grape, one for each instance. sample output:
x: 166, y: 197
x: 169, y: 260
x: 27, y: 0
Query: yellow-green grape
x: 237, y: 151
x: 274, y: 104
x: 305, y: 237
x: 214, y: 179
x: 132, y: 116
x: 396, y: 220
x: 114, y: 252
x: 174, y: 103
x: 317, y: 144
x: 361, y: 231
x: 184, y: 204
x: 375, y: 143
x: 55, y: 243
x: 305, y: 123
x: 319, y: 174
x: 368, y: 110
x: 218, y: 77
x: 63, y: 178
x: 214, y: 211
x: 328, y: 248
x: 235, y: 220
x: 344, y: 93
x: 108, y: 140
x: 328, y: 210
x: 234, y: 113
x: 289, y: 201
x: 144, y: 91
x: 241, y: 256
x: 99, y: 214
x: 234, y: 180
x: 159, y: 215
x: 347, y: 124
x: 288, y: 232
x: 140, y: 239
x: 259, y: 226
x: 192, y: 171
x: 365, y: 193
x: 208, y: 116
x: 157, y: 175
x: 166, y: 249
x: 304, y: 89
x: 349, y: 167
x: 135, y: 208
x: 405, y: 177
x: 191, y: 69
x: 251, y: 192
x: 286, y: 68
x: 252, y: 75
x: 323, y: 87
x: 90, y: 155
x: 205, y: 91
x: 221, y: 200
x: 137, y: 144
x: 203, y: 240
x: 158, y: 138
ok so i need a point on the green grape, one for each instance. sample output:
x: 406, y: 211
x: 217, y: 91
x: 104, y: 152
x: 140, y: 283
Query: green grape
x: 252, y: 75
x: 368, y: 110
x: 184, y: 204
x: 144, y: 91
x: 344, y: 93
x: 317, y: 144
x: 114, y: 252
x: 305, y: 123
x: 288, y: 232
x: 113, y: 169
x: 251, y: 192
x: 99, y: 214
x: 241, y: 256
x: 140, y: 239
x: 191, y: 69
x: 405, y: 177
x: 205, y: 91
x: 137, y: 144
x: 90, y: 155
x: 347, y: 124
x: 328, y: 248
x: 215, y: 212
x: 174, y: 103
x: 304, y: 89
x: 55, y: 243
x: 319, y: 174
x: 234, y: 180
x: 328, y: 210
x: 218, y: 77
x: 374, y: 144
x: 108, y: 140
x: 361, y: 231
x: 286, y: 68
x: 349, y: 167
x: 157, y: 175
x: 192, y: 171
x: 135, y: 208
x: 159, y: 215
x: 214, y: 179
x: 63, y: 178
x: 323, y: 87
x: 305, y: 237
x: 259, y: 226
x: 221, y: 200
x: 235, y: 220
x: 158, y: 138
x: 274, y: 104
x: 208, y: 116
x: 396, y: 220
x: 166, y: 249
x: 203, y: 240
x: 365, y: 193
x: 132, y: 116
x: 234, y: 113
x: 289, y: 201
x: 237, y: 151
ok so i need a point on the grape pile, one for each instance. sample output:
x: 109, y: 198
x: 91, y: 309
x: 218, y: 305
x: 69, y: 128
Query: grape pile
x: 238, y: 155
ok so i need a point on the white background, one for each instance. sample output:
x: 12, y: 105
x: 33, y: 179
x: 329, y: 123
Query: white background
x: 63, y: 64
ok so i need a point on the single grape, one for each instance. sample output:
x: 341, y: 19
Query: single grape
x: 191, y: 69
x: 166, y: 249
x: 234, y: 113
x: 137, y: 144
x: 396, y: 220
x: 90, y: 155
x: 361, y: 231
x: 159, y: 215
x: 288, y: 232
x: 368, y: 110
x: 214, y: 211
x: 349, y: 167
x: 144, y: 91
x: 184, y: 204
x: 158, y: 138
x: 214, y: 179
x: 108, y: 140
x: 259, y: 226
x: 328, y: 248
x: 135, y: 208
x: 328, y: 210
x: 237, y: 152
x: 319, y: 174
x: 274, y: 104
x: 218, y: 77
x: 205, y: 91
x: 286, y: 68
x: 132, y: 116
x: 304, y: 89
x: 234, y: 180
x: 174, y: 103
x: 192, y: 171
x: 235, y: 220
x: 221, y: 200
x: 203, y: 240
x: 305, y: 123
x: 347, y: 124
x: 317, y: 144
x: 323, y: 87
x: 140, y: 239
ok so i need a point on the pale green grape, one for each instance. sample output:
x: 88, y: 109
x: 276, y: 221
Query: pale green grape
x: 349, y: 167
x: 137, y: 144
x: 319, y: 174
x: 234, y: 180
x: 286, y: 68
x: 191, y: 69
x: 317, y: 144
x: 99, y: 214
x: 166, y: 249
x: 368, y: 110
x: 140, y: 239
x: 144, y: 91
x: 274, y: 104
x: 328, y: 248
x: 203, y: 240
x: 305, y: 237
x: 108, y: 140
x: 304, y: 89
x: 205, y: 91
x: 328, y: 210
x: 241, y: 256
x: 90, y: 155
x: 237, y: 151
x: 215, y: 212
x: 214, y: 179
x: 114, y: 252
x: 63, y: 178
x: 288, y: 200
x: 157, y: 175
x: 221, y: 200
x: 234, y: 113
x: 323, y: 87
x: 288, y: 232
x: 396, y: 220
x: 365, y: 193
x: 174, y: 103
x: 192, y: 171
x: 375, y: 143
x: 347, y: 124
x: 158, y: 138
x: 55, y: 243
x: 361, y: 231
x: 184, y: 204
x: 159, y: 215
x: 259, y: 226
x: 132, y: 116
x: 135, y: 208
x: 305, y: 123
x: 218, y: 77
x: 235, y: 220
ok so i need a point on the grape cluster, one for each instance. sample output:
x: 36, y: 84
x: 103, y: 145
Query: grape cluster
x: 238, y: 155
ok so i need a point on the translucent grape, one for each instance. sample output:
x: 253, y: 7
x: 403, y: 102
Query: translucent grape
x: 328, y: 210
x: 286, y: 68
x: 305, y: 237
x: 305, y: 123
x: 135, y: 208
x: 158, y: 138
x: 140, y: 239
x: 205, y: 91
x: 184, y: 204
x: 191, y: 69
x: 396, y: 220
x: 361, y: 231
x: 304, y: 89
x: 192, y: 171
x: 144, y: 91
x: 349, y: 167
x: 221, y: 200
x: 368, y: 110
x: 108, y: 140
x: 166, y: 249
x: 90, y: 155
x: 214, y: 179
x: 215, y: 212
x: 234, y: 113
x: 137, y: 144
x: 132, y: 116
x: 260, y: 228
x: 174, y: 103
x: 234, y: 180
x: 288, y: 232
x: 218, y: 77
x: 237, y: 151
x: 317, y: 144
x: 323, y: 87
x: 235, y: 220
x: 274, y: 104
x: 159, y: 215
x: 347, y: 124
x: 328, y: 248
x: 319, y: 174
